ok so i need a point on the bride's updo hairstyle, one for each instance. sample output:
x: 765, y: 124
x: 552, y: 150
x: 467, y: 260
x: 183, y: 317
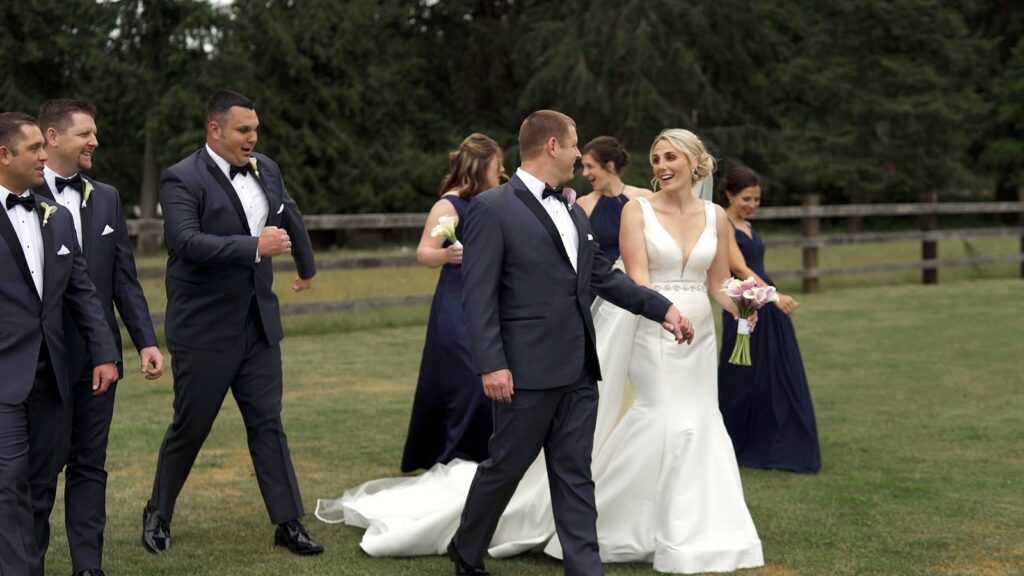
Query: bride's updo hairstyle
x: 686, y: 142
x: 467, y: 166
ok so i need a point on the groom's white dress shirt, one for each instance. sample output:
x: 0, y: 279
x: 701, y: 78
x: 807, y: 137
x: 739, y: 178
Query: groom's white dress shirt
x: 30, y: 237
x: 68, y: 198
x: 558, y: 213
x: 250, y: 194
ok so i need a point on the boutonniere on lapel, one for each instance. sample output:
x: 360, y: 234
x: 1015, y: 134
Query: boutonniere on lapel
x: 570, y: 197
x: 47, y: 212
x: 86, y: 192
x: 255, y: 167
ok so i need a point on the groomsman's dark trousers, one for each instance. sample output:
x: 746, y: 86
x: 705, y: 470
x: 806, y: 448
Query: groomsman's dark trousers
x: 562, y: 422
x: 86, y: 430
x: 29, y: 440
x: 251, y: 369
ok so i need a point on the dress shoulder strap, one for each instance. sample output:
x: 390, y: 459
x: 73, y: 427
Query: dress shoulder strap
x: 710, y: 215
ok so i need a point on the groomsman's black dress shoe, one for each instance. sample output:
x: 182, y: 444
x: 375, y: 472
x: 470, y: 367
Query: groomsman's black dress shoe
x: 293, y: 536
x: 93, y: 572
x: 462, y: 568
x: 156, y: 533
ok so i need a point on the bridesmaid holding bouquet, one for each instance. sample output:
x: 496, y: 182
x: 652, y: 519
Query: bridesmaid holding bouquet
x: 766, y: 406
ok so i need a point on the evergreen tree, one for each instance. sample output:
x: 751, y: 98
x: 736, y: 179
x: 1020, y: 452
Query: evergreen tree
x: 339, y: 91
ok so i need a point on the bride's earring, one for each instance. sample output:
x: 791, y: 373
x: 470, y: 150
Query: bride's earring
x: 695, y: 175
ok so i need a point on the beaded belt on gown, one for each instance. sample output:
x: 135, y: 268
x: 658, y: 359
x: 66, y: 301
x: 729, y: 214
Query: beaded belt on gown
x: 680, y: 286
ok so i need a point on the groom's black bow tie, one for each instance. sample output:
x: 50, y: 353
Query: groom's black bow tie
x: 236, y: 170
x: 74, y: 182
x: 556, y: 192
x: 29, y: 202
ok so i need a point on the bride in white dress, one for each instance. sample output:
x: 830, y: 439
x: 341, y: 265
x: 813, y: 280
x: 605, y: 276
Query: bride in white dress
x: 668, y: 488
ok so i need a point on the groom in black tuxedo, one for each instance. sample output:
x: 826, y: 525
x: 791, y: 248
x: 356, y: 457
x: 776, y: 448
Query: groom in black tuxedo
x: 69, y: 128
x: 44, y: 274
x: 529, y: 265
x: 226, y: 215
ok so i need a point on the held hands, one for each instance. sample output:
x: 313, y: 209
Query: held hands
x: 152, y: 362
x: 787, y: 304
x: 102, y: 377
x: 274, y: 241
x: 679, y: 325
x: 498, y: 385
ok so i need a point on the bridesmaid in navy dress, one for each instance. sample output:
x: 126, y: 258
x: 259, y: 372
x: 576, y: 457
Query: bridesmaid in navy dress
x: 451, y: 417
x: 767, y: 406
x: 603, y: 161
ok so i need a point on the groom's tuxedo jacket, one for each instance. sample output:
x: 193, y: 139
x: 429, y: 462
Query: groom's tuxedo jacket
x: 526, y: 308
x: 212, y: 273
x: 28, y: 321
x: 108, y: 256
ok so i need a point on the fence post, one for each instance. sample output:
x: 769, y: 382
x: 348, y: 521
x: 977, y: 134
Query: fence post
x: 1020, y: 222
x: 811, y: 230
x: 929, y: 248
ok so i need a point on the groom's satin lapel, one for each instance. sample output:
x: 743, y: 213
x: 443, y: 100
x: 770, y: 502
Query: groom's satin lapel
x: 228, y: 189
x: 86, y: 214
x: 583, y: 245
x: 49, y: 252
x: 534, y: 205
x: 11, y: 237
x: 272, y: 216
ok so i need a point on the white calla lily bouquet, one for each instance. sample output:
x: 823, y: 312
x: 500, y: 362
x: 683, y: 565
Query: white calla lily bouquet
x: 446, y: 228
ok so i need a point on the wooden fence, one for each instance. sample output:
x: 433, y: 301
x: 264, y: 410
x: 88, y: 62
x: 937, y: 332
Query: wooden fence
x: 811, y: 241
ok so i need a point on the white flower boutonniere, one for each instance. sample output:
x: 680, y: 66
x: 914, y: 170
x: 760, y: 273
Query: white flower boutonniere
x: 570, y: 196
x: 47, y: 212
x: 255, y: 167
x: 86, y: 193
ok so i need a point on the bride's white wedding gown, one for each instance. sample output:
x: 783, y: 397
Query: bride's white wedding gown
x: 667, y: 485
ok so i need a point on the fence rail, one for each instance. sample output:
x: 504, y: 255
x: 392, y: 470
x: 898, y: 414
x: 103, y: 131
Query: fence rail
x: 811, y: 241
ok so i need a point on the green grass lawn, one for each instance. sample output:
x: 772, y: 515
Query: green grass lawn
x: 919, y: 403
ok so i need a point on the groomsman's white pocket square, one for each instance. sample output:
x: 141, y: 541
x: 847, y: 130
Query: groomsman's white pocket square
x: 590, y: 236
x: 280, y: 209
x: 63, y: 251
x: 107, y: 230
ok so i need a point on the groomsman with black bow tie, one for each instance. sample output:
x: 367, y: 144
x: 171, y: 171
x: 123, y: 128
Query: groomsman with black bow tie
x: 226, y: 215
x: 43, y: 274
x: 69, y: 128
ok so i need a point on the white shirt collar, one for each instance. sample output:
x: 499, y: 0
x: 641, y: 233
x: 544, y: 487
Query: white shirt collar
x: 51, y: 178
x: 533, y: 184
x: 4, y: 192
x: 221, y: 163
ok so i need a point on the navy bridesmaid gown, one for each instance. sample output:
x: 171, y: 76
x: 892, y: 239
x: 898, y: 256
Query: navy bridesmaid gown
x: 604, y: 222
x: 451, y: 417
x: 767, y: 406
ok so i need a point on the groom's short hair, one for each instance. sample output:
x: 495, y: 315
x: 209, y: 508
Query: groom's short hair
x: 11, y: 134
x: 538, y: 128
x: 223, y: 101
x: 57, y: 113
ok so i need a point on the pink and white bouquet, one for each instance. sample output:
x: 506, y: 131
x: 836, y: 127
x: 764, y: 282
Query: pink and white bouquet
x: 749, y: 295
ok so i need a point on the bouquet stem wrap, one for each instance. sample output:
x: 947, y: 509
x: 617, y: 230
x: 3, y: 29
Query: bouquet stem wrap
x: 749, y: 296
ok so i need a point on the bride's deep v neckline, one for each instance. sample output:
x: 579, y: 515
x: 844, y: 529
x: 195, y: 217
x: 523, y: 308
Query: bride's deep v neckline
x: 684, y: 258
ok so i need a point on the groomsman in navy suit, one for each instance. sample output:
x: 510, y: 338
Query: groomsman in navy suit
x: 69, y: 128
x: 226, y: 215
x: 44, y: 274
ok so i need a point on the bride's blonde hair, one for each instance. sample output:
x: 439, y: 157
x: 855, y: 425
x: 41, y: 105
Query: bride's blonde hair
x: 685, y: 142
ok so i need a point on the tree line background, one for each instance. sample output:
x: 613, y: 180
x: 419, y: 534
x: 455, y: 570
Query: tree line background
x: 360, y: 100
